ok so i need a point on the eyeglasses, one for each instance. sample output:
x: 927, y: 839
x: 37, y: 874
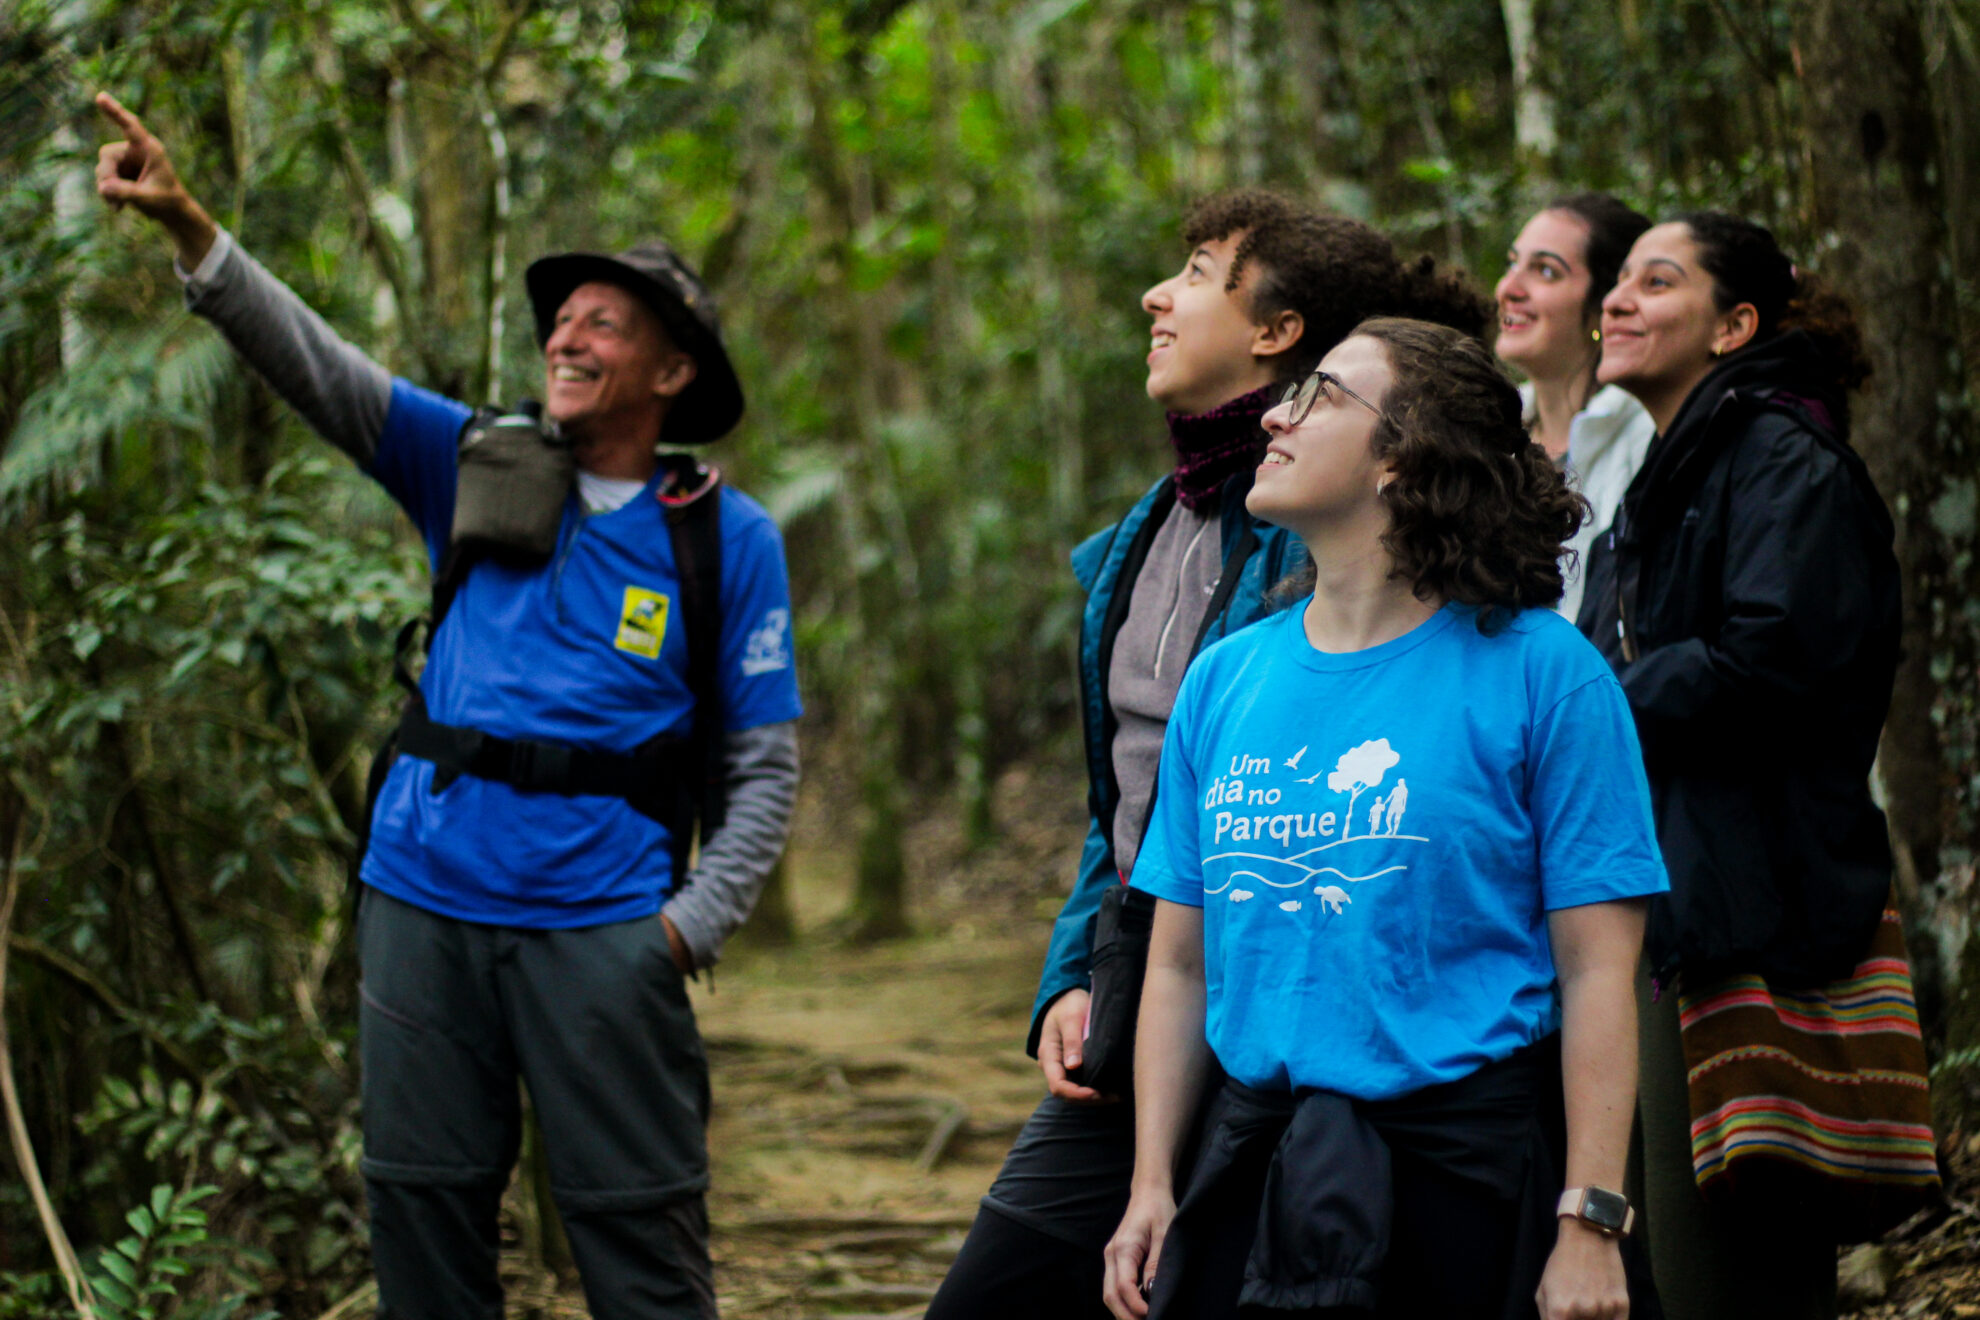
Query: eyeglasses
x: 1302, y: 394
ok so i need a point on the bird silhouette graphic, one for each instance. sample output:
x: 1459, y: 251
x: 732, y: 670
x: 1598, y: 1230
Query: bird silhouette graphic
x: 1293, y: 762
x: 1315, y: 775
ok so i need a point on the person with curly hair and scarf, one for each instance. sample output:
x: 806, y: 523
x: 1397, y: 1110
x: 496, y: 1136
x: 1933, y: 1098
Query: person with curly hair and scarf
x: 1266, y: 286
x: 1425, y: 1015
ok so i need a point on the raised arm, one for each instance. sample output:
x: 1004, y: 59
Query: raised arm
x: 340, y: 392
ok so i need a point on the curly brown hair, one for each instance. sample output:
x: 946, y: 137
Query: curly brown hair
x: 1478, y: 513
x: 1335, y: 272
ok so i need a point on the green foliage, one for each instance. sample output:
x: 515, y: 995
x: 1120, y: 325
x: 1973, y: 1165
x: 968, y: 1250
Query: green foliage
x: 143, y: 380
x: 138, y: 1277
x: 929, y: 224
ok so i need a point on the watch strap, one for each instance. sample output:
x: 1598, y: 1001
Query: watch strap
x: 1574, y: 1205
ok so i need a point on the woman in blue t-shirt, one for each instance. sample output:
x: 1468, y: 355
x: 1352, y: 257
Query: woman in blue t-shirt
x: 1401, y: 846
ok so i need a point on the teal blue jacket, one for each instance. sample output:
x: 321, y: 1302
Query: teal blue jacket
x: 1106, y: 565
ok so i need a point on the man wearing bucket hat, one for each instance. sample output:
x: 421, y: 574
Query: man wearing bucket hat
x: 512, y: 874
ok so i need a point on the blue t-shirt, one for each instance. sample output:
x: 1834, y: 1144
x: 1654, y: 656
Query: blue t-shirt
x: 1376, y: 839
x: 585, y: 650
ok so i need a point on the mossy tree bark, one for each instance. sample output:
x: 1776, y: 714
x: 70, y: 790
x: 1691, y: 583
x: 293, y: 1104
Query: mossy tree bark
x: 1879, y: 220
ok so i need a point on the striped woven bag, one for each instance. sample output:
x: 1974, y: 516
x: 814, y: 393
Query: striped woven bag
x: 1814, y: 1100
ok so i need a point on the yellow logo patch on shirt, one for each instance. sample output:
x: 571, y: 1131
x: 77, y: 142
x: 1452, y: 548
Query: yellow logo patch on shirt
x: 642, y: 622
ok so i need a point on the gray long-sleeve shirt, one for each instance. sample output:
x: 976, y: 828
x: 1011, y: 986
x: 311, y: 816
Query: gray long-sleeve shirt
x: 344, y: 395
x: 1150, y: 653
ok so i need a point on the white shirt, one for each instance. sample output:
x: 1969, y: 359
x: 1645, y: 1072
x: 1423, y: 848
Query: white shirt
x: 1606, y: 443
x: 604, y: 494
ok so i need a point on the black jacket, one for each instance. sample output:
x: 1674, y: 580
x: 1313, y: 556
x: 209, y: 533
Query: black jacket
x: 1747, y: 596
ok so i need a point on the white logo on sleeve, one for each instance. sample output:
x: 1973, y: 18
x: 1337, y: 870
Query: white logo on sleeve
x: 769, y: 646
x: 1244, y: 807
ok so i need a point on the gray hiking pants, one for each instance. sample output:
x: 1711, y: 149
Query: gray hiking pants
x: 597, y: 1023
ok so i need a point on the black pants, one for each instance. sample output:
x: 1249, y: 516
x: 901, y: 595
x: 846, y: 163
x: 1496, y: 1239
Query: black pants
x: 1712, y: 1261
x: 1034, y: 1250
x: 597, y: 1023
x: 1450, y: 1250
x: 1437, y: 1203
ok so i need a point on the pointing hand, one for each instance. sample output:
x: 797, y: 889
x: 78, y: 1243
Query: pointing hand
x: 138, y: 172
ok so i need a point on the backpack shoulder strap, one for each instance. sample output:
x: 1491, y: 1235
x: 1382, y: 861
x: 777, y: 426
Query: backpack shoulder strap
x: 692, y: 497
x: 459, y: 559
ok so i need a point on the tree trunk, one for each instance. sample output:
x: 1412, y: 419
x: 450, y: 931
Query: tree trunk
x: 1534, y: 138
x: 885, y: 590
x: 773, y: 921
x: 1246, y: 117
x: 949, y: 350
x: 451, y: 213
x: 1878, y: 218
x: 495, y: 276
x: 544, y: 1241
x: 75, y: 213
x: 1956, y: 91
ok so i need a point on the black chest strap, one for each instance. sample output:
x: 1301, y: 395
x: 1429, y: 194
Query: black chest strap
x: 692, y: 497
x: 680, y: 782
x: 642, y: 777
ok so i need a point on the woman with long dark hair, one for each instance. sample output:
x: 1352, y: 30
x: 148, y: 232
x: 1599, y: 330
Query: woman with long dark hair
x: 1399, y: 851
x: 1747, y: 596
x: 1550, y: 312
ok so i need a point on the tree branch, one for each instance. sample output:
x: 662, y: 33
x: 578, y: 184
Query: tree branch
x: 1767, y: 72
x: 87, y: 981
x: 432, y: 36
x: 498, y: 49
x: 384, y: 247
x: 80, y: 1294
x: 168, y: 885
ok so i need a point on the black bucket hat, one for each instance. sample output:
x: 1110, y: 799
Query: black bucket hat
x: 653, y: 272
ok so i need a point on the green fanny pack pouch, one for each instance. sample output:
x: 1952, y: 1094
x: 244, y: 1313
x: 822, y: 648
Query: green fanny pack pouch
x: 514, y: 476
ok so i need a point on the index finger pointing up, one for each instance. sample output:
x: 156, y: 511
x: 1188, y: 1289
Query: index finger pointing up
x: 134, y: 130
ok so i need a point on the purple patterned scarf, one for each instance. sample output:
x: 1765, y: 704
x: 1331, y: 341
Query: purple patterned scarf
x: 1212, y: 447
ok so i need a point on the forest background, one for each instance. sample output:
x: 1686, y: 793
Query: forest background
x: 929, y: 222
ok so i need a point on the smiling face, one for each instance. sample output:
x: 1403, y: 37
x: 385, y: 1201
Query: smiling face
x: 1543, y: 321
x: 1204, y: 344
x: 1661, y: 324
x: 1323, y: 472
x: 610, y: 369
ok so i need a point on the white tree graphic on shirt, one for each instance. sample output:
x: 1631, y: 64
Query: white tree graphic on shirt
x: 1360, y: 769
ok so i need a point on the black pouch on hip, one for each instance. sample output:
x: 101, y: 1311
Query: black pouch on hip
x: 1120, y: 960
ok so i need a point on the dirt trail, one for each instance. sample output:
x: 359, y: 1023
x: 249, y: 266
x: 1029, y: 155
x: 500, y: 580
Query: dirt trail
x: 863, y: 1103
x: 865, y: 1096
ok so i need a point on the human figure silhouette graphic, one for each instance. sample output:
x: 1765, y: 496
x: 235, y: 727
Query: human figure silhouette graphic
x: 1375, y: 818
x: 1398, y: 800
